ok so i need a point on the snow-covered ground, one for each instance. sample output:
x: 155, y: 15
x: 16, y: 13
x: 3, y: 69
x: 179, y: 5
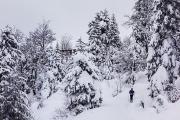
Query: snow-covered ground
x: 114, y: 108
x: 121, y: 109
x: 49, y: 107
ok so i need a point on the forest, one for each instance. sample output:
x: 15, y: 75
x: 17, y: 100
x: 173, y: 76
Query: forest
x: 47, y: 78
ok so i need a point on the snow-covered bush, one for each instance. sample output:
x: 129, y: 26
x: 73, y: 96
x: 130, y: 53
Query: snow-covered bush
x: 160, y: 103
x: 80, y: 87
x: 173, y: 94
x: 60, y: 115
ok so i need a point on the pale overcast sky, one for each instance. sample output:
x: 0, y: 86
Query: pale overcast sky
x: 66, y: 16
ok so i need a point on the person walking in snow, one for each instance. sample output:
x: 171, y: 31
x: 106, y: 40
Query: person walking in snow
x: 131, y: 93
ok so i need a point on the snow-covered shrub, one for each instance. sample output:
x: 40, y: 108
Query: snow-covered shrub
x: 173, y: 94
x: 57, y: 68
x: 160, y: 103
x: 60, y: 115
x: 80, y: 87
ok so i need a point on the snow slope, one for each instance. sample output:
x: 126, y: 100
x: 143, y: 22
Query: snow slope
x: 114, y: 108
x: 119, y: 108
x: 50, y: 106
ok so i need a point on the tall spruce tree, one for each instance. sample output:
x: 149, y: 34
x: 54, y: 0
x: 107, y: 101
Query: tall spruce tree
x: 104, y: 42
x: 163, y: 47
x: 141, y: 24
x: 14, y: 104
x: 98, y: 38
x: 140, y: 21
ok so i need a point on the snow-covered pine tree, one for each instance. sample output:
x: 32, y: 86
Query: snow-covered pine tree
x: 55, y: 72
x: 80, y: 86
x: 104, y: 42
x: 98, y: 36
x: 14, y: 103
x: 140, y: 21
x: 162, y: 54
x: 113, y: 33
x: 112, y: 50
x: 80, y: 45
x: 124, y: 57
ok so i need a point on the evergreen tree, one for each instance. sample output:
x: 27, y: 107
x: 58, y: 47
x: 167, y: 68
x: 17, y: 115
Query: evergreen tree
x: 114, y: 33
x: 140, y: 21
x: 163, y: 49
x: 141, y: 24
x: 98, y: 36
x: 55, y: 72
x: 80, y: 88
x: 104, y: 42
x: 80, y: 45
x: 14, y: 103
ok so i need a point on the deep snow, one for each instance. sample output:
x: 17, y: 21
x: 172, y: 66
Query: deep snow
x: 113, y: 108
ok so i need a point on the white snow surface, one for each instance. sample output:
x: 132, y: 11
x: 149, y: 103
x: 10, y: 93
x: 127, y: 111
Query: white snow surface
x: 114, y: 108
x: 119, y: 108
x: 160, y: 76
x: 50, y: 106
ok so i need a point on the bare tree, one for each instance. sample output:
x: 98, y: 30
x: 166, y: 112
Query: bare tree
x: 66, y: 42
x: 42, y: 35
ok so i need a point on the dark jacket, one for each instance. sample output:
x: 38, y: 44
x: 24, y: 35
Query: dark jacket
x: 131, y: 92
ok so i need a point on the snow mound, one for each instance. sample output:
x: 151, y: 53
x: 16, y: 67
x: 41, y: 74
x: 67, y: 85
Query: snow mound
x: 47, y: 108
